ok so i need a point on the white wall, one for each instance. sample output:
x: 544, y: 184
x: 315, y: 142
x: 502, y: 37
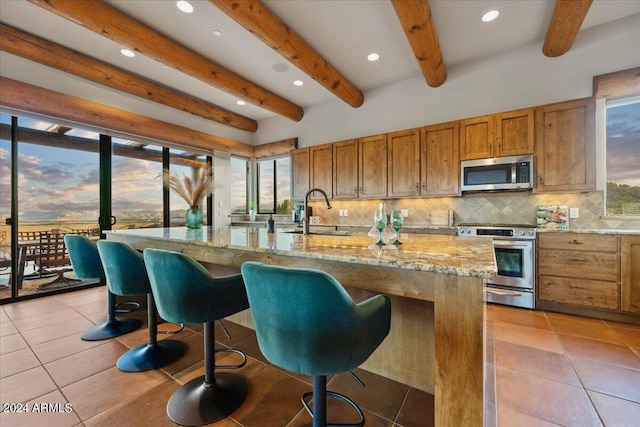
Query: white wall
x: 517, y: 79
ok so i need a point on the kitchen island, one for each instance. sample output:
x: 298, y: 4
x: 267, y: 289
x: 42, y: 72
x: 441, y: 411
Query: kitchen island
x: 435, y: 283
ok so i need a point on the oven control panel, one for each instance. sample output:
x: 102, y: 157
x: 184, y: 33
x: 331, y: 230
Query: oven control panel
x: 498, y: 232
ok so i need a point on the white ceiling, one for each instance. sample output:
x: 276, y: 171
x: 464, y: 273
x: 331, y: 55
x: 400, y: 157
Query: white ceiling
x: 344, y: 32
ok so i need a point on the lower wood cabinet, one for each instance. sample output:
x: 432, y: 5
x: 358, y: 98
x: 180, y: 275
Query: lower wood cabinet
x: 630, y: 269
x: 590, y: 274
x: 579, y: 269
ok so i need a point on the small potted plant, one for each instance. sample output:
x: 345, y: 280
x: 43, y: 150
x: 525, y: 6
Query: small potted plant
x: 252, y: 211
x: 192, y: 191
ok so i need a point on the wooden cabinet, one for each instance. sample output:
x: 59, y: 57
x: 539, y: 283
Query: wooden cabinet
x: 498, y: 135
x: 440, y: 160
x: 565, y: 146
x: 345, y: 169
x: 476, y: 138
x: 360, y: 168
x: 372, y: 166
x: 403, y: 162
x: 579, y: 269
x: 299, y: 173
x: 630, y: 273
x: 321, y: 170
x: 514, y: 133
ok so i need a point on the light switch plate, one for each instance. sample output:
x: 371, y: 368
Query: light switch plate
x: 574, y: 213
x: 405, y: 212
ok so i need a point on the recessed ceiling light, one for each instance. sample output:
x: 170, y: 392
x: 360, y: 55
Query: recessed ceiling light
x: 184, y: 6
x: 128, y: 53
x: 280, y: 68
x: 217, y: 33
x: 490, y: 16
x: 240, y: 102
x: 373, y: 57
x: 298, y: 82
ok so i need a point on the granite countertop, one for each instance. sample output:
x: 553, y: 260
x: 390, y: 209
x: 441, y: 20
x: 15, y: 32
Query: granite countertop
x: 429, y: 252
x: 591, y: 231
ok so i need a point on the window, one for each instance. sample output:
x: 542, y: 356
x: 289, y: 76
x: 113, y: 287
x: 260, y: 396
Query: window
x: 623, y: 157
x: 239, y: 185
x: 274, y: 185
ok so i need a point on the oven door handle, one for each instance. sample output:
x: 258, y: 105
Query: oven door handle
x: 502, y: 292
x: 511, y: 244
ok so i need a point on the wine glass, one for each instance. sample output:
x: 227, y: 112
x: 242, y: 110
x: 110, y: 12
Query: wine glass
x: 397, y: 221
x: 380, y: 222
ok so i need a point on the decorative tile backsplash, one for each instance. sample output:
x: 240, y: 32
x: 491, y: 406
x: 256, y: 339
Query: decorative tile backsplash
x: 510, y: 208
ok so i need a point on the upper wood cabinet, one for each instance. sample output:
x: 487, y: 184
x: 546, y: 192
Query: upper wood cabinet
x: 372, y: 167
x: 321, y: 170
x: 440, y: 160
x: 630, y: 273
x: 345, y: 169
x: 299, y: 173
x: 403, y: 162
x: 514, y: 132
x: 476, y: 138
x: 565, y: 146
x: 498, y: 135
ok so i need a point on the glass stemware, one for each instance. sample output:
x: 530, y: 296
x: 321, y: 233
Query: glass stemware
x: 380, y: 222
x: 397, y: 221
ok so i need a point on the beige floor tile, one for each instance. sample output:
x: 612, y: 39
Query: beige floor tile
x: 616, y: 412
x: 17, y: 361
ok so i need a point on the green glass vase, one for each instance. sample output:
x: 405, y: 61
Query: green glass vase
x: 193, y: 218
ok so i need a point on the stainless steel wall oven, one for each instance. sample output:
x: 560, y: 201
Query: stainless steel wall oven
x: 514, y: 251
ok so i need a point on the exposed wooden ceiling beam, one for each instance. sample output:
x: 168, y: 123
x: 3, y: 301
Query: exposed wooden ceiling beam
x: 50, y: 54
x: 415, y: 18
x: 39, y: 137
x: 264, y: 24
x: 25, y: 97
x: 121, y: 28
x: 564, y: 26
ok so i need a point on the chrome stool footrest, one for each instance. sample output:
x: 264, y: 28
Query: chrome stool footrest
x: 342, y: 397
x: 134, y: 306
x: 232, y: 350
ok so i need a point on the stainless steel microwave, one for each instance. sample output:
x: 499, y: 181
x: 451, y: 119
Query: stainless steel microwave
x: 500, y: 173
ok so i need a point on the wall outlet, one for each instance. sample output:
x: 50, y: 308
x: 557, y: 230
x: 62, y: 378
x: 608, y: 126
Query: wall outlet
x: 405, y: 212
x: 345, y: 212
x: 574, y: 213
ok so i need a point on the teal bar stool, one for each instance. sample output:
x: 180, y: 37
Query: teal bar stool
x: 185, y: 292
x: 307, y: 323
x: 126, y: 275
x: 86, y: 264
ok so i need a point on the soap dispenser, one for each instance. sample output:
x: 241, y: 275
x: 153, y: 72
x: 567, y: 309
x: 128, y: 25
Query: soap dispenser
x: 270, y: 224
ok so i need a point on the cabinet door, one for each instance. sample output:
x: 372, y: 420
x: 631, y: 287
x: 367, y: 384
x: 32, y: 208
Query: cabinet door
x: 321, y: 167
x: 373, y: 166
x: 440, y: 163
x: 345, y: 169
x: 403, y: 162
x: 514, y: 133
x: 630, y: 273
x: 299, y: 173
x: 476, y: 138
x: 565, y: 146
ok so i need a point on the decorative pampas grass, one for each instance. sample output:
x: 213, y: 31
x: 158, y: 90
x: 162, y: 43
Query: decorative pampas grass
x: 191, y: 191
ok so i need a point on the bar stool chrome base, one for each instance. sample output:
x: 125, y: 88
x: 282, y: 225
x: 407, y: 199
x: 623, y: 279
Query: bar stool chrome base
x: 110, y: 328
x: 150, y: 356
x: 198, y: 403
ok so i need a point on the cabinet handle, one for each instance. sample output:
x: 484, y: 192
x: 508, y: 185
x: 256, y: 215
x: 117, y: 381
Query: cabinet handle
x: 540, y: 180
x: 417, y: 186
x: 355, y: 190
x: 577, y: 260
x: 576, y: 242
x: 424, y: 185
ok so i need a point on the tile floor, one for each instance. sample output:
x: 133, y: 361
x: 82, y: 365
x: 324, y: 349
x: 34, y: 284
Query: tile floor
x: 543, y: 369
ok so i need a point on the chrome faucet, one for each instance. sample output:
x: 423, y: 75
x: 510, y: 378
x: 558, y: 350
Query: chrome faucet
x: 305, y: 220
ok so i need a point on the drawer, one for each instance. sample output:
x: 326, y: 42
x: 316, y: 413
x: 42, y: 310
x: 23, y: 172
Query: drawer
x: 578, y: 242
x: 586, y: 293
x: 586, y: 265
